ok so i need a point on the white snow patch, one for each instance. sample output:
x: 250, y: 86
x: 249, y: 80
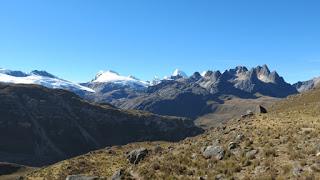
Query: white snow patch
x: 114, y: 77
x: 44, y: 81
x: 178, y: 72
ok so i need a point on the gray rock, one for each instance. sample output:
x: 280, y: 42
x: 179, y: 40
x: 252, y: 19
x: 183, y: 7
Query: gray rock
x: 232, y: 145
x: 137, y: 155
x: 260, y: 170
x: 118, y: 175
x: 249, y: 113
x: 261, y: 110
x: 251, y: 154
x: 239, y: 138
x: 297, y: 171
x: 82, y: 177
x: 220, y: 177
x: 214, y: 151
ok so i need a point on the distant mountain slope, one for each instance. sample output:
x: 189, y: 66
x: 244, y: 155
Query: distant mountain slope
x: 110, y: 87
x: 307, y: 85
x: 41, y: 78
x: 198, y: 95
x: 40, y: 125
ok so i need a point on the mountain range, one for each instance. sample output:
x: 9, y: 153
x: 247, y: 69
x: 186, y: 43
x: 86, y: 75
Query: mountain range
x: 46, y: 119
x: 177, y: 95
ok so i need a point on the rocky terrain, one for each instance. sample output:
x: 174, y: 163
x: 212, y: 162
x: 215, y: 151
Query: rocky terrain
x: 281, y: 144
x: 39, y: 126
x: 198, y: 95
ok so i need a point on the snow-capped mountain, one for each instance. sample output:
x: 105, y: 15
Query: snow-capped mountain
x: 111, y: 87
x: 42, y: 78
x: 114, y: 77
x: 178, y: 72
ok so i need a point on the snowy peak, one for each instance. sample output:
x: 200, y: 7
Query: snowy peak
x: 42, y: 78
x: 114, y: 77
x: 180, y: 73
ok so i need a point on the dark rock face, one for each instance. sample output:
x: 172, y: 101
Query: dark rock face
x: 39, y: 126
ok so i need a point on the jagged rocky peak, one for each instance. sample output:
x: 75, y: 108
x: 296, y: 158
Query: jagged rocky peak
x: 196, y: 75
x: 42, y: 73
x: 264, y: 75
x: 212, y: 75
x: 241, y: 69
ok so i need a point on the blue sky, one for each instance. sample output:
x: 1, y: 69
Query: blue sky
x: 76, y: 38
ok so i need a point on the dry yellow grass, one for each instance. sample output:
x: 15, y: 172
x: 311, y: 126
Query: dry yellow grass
x: 286, y: 139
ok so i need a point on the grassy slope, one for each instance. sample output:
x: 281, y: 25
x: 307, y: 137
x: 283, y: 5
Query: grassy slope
x: 286, y: 140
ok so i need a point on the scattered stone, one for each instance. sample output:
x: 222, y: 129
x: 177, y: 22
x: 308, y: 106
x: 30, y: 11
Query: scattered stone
x: 137, y: 155
x: 216, y: 142
x: 220, y: 177
x: 316, y: 167
x: 297, y: 171
x: 118, y: 175
x: 232, y: 145
x: 249, y: 113
x: 214, y: 151
x: 251, y: 154
x: 82, y: 177
x: 194, y: 156
x: 260, y: 170
x: 239, y: 138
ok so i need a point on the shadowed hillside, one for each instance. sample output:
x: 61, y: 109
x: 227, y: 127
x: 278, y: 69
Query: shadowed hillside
x: 40, y: 126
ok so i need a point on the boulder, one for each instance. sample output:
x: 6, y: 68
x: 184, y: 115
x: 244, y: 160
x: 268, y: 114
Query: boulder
x: 214, y: 151
x: 232, y: 145
x: 137, y: 155
x: 260, y: 109
x: 249, y: 113
x: 251, y: 154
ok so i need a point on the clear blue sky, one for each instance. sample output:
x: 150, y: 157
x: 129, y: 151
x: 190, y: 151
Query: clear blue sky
x: 76, y: 38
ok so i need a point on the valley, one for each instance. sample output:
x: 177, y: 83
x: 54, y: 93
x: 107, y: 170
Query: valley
x: 88, y: 130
